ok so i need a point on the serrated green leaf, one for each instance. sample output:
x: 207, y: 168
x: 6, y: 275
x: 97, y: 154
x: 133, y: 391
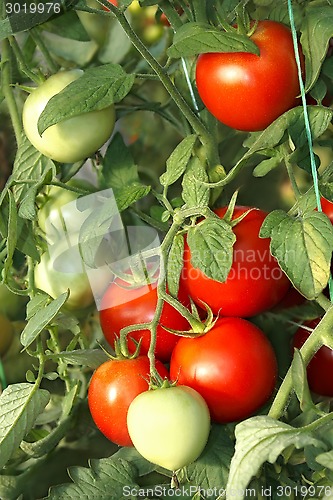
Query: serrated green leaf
x: 317, y: 29
x: 119, y: 169
x: 30, y: 165
x: 36, y: 303
x: 177, y: 162
x: 300, y: 384
x: 41, y: 319
x: 106, y: 478
x: 293, y: 121
x: 97, y: 225
x: 82, y: 357
x: 67, y: 26
x: 211, y: 243
x: 20, y: 404
x: 195, y: 193
x: 326, y: 459
x: 175, y: 264
x: 261, y: 439
x: 218, y: 451
x: 197, y: 38
x: 303, y: 247
x: 96, y: 89
x: 266, y: 166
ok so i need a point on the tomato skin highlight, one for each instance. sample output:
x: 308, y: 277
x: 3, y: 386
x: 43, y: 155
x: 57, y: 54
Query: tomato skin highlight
x: 248, y: 92
x: 123, y: 306
x: 255, y: 282
x: 112, y: 388
x: 169, y: 426
x: 70, y: 140
x: 233, y: 366
x: 320, y: 368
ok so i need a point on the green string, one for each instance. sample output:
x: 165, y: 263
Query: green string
x: 307, y: 123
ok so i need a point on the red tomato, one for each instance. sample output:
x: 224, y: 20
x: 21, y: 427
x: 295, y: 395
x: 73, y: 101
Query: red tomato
x: 327, y: 208
x: 320, y: 368
x: 233, y: 367
x: 112, y: 388
x: 255, y: 282
x: 248, y: 92
x: 114, y: 2
x: 123, y: 306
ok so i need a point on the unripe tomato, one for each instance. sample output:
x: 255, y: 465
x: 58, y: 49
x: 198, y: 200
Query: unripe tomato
x: 320, y: 368
x: 55, y: 276
x: 73, y: 139
x: 58, y: 214
x: 255, y: 282
x: 112, y: 388
x: 247, y: 91
x: 6, y: 334
x: 169, y: 426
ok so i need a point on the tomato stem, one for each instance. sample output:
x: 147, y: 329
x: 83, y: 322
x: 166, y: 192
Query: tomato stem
x: 309, y: 348
x: 34, y: 33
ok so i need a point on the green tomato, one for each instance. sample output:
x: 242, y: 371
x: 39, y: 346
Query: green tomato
x: 95, y: 25
x: 73, y: 139
x: 11, y: 304
x: 62, y: 272
x: 59, y: 211
x: 6, y: 334
x: 169, y: 426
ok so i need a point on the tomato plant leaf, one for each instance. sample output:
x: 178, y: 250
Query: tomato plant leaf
x: 260, y: 439
x: 68, y: 26
x: 197, y: 38
x: 20, y: 404
x: 96, y: 89
x: 175, y: 264
x: 81, y: 357
x: 300, y: 383
x: 195, y: 193
x: 219, y: 451
x: 104, y: 476
x: 41, y: 319
x: 267, y: 165
x: 177, y: 162
x: 119, y: 169
x: 326, y: 459
x: 130, y: 454
x: 317, y: 30
x: 303, y: 247
x: 211, y: 242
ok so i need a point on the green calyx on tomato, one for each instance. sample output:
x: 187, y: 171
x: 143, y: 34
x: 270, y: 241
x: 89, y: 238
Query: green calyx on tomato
x: 169, y: 426
x: 113, y: 387
x: 247, y: 91
x: 62, y: 272
x: 70, y: 140
x: 255, y: 282
x: 233, y: 366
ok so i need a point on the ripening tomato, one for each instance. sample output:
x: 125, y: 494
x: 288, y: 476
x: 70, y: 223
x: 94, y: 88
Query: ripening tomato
x: 114, y: 2
x: 123, y: 306
x: 255, y: 282
x: 320, y: 368
x: 247, y: 91
x: 70, y: 140
x: 112, y: 388
x: 233, y: 366
x: 169, y: 426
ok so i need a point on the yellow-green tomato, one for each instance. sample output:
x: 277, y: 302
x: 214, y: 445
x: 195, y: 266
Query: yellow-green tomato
x: 59, y: 212
x: 169, y: 426
x: 6, y: 334
x: 55, y: 275
x: 70, y: 140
